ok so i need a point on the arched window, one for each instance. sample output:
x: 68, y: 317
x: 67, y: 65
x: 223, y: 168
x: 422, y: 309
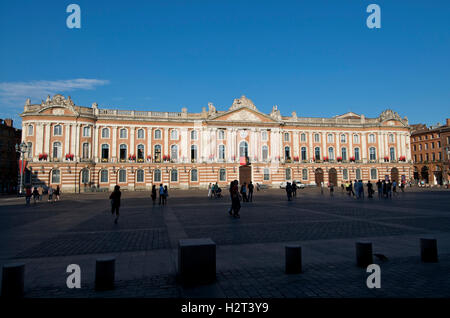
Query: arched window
x: 221, y: 134
x: 392, y: 153
x: 287, y: 153
x: 222, y: 152
x: 331, y: 153
x: 288, y: 174
x: 316, y: 138
x: 193, y: 152
x: 193, y: 134
x: 358, y: 174
x: 157, y: 153
x: 356, y: 139
x: 105, y: 152
x: 243, y: 149
x: 265, y: 152
x: 345, y: 174
x: 317, y: 153
x: 157, y: 175
x: 104, y: 176
x: 105, y: 133
x: 174, y: 134
x: 123, y: 152
x: 85, y: 176
x: 57, y: 130
x: 222, y: 175
x: 303, y: 137
x: 194, y: 175
x: 343, y: 138
x: 330, y: 138
x: 140, y: 175
x: 56, y: 176
x: 344, y: 153
x: 123, y: 133
x: 157, y: 134
x: 174, y: 152
x: 30, y: 130
x: 286, y: 136
x: 57, y: 149
x: 140, y: 133
x: 85, y: 153
x: 373, y: 174
x: 266, y: 174
x: 371, y: 138
x: 174, y: 175
x: 372, y: 153
x: 140, y: 152
x: 122, y: 175
x: 305, y: 174
x: 357, y: 154
x: 304, y: 153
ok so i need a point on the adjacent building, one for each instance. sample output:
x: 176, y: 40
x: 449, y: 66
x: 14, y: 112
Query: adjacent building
x: 9, y: 137
x: 83, y: 148
x: 430, y: 153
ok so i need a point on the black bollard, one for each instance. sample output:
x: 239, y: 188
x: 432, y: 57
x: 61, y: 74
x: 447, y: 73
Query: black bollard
x: 13, y: 280
x: 364, y: 255
x: 197, y: 261
x: 104, y: 273
x: 293, y: 259
x: 428, y: 250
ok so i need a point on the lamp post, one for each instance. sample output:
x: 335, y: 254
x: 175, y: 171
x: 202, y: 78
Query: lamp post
x: 22, y: 149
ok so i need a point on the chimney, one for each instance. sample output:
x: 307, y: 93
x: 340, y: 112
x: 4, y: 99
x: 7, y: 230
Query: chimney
x: 448, y: 122
x: 9, y: 122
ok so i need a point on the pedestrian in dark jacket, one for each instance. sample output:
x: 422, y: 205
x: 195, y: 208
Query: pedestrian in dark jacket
x: 153, y: 195
x: 250, y: 192
x: 235, y: 197
x: 166, y: 194
x: 115, y: 202
x: 289, y: 191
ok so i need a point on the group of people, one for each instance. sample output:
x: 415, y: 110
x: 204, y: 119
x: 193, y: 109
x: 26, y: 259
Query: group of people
x: 385, y: 188
x: 243, y: 193
x: 163, y: 194
x: 38, y: 192
x: 291, y: 190
x: 214, y: 191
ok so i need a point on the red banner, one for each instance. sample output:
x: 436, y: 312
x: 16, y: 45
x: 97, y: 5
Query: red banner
x: 243, y: 160
x: 22, y: 168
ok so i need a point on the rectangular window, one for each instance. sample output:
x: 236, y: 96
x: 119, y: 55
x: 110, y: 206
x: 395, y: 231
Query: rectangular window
x: 288, y: 174
x: 345, y: 174
x: 86, y: 131
x: 303, y: 137
x: 223, y: 175
x: 266, y: 174
x: 305, y: 174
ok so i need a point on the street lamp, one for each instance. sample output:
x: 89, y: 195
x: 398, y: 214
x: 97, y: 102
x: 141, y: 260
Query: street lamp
x: 22, y: 149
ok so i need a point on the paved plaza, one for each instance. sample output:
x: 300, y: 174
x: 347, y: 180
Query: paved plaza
x: 250, y: 250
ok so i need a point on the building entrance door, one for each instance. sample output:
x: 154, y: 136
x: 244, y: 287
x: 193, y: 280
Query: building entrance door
x: 319, y: 176
x: 245, y: 174
x: 394, y: 175
x: 332, y: 176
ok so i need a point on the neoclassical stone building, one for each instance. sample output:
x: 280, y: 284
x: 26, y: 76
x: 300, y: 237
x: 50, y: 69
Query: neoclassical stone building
x: 81, y: 148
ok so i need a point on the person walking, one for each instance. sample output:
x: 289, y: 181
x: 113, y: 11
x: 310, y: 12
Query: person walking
x: 230, y: 211
x: 236, y: 202
x: 351, y: 188
x: 250, y: 191
x: 331, y: 189
x: 294, y: 189
x: 361, y: 189
x: 57, y: 193
x: 389, y: 189
x: 35, y: 195
x: 289, y: 191
x: 379, y: 188
x: 394, y: 187
x: 115, y: 202
x: 244, y: 192
x: 153, y: 195
x: 209, y: 190
x: 27, y: 195
x: 161, y: 194
x: 41, y: 193
x: 370, y: 189
x: 166, y: 194
x: 50, y: 194
x: 402, y: 186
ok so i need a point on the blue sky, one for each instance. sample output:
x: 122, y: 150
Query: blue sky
x: 315, y: 57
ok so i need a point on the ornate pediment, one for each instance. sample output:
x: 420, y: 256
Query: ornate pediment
x: 244, y: 115
x: 389, y: 114
x: 59, y: 102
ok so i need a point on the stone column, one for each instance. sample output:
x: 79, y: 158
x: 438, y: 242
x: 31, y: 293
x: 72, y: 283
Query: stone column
x: 166, y: 141
x: 310, y: 145
x: 149, y: 142
x: 296, y: 143
x: 96, y: 132
x: 47, y: 139
x: 350, y: 145
x: 184, y: 143
x: 66, y: 148
x: 114, y: 155
x: 364, y: 147
x: 132, y: 147
x: 338, y: 145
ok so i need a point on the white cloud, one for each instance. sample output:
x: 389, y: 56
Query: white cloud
x: 15, y: 93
